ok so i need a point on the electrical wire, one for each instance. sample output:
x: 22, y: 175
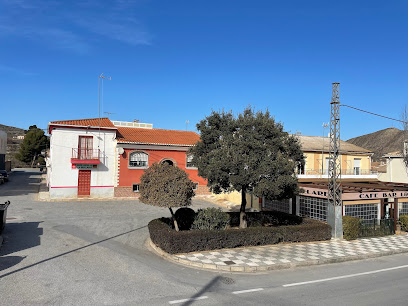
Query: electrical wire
x: 364, y: 111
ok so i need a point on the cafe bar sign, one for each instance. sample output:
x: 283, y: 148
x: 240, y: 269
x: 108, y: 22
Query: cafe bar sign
x: 321, y: 193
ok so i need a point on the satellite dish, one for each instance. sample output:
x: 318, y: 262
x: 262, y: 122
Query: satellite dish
x: 121, y: 150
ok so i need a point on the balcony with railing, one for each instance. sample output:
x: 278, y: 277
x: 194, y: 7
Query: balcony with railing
x: 85, y: 156
x: 347, y: 173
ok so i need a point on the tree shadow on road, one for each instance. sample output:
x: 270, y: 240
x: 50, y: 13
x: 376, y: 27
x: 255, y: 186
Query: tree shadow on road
x: 18, y: 237
x: 66, y: 253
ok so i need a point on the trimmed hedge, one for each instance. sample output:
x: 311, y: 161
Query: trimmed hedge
x: 162, y: 235
x: 403, y: 221
x: 351, y: 227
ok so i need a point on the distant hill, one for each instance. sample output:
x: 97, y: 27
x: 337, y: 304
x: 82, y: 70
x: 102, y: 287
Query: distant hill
x: 381, y: 142
x: 13, y: 144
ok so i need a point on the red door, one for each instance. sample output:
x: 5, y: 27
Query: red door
x: 84, y: 182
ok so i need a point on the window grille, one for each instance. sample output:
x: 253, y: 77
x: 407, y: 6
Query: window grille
x: 189, y: 162
x: 365, y: 212
x: 403, y: 208
x: 314, y: 208
x: 138, y: 160
x: 282, y: 205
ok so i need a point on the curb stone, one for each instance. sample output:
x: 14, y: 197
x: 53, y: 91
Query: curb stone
x: 263, y: 268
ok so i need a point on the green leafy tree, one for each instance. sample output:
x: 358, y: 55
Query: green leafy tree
x: 247, y: 153
x: 34, y: 142
x: 166, y: 186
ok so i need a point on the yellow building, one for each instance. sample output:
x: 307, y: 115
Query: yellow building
x: 355, y: 160
x: 355, y: 163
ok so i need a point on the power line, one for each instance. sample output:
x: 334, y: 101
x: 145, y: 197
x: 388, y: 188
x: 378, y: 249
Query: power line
x: 364, y: 111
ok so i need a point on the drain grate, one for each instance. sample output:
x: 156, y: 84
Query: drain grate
x: 227, y: 280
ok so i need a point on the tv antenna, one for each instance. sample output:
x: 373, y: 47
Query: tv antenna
x: 108, y: 113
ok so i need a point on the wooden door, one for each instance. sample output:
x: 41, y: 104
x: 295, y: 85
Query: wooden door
x: 84, y: 182
x: 85, y: 146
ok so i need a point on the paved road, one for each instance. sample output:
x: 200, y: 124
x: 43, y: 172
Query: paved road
x: 94, y: 253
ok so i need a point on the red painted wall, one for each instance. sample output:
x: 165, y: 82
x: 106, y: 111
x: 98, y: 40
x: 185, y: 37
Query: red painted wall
x: 128, y: 177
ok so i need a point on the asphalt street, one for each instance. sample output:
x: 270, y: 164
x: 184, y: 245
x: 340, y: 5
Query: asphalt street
x: 94, y: 253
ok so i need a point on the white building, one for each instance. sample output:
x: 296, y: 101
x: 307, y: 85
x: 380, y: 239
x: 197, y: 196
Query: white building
x: 82, y: 158
x: 396, y: 169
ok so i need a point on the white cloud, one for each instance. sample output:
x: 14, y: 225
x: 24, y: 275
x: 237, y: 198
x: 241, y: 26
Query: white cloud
x: 68, y: 26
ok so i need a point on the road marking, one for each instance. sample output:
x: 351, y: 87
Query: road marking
x: 249, y: 290
x: 345, y: 276
x: 188, y: 300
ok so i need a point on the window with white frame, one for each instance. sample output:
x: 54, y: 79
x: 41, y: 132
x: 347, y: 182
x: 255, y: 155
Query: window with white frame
x: 195, y: 186
x: 138, y: 160
x: 189, y: 161
x: 136, y: 187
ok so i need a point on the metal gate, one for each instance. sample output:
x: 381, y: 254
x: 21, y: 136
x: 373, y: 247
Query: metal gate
x: 84, y: 182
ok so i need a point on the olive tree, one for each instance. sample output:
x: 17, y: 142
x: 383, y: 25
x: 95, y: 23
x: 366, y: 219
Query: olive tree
x: 248, y: 153
x: 168, y: 186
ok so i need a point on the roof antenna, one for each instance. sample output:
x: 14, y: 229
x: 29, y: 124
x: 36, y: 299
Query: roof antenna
x: 108, y: 113
x: 100, y: 93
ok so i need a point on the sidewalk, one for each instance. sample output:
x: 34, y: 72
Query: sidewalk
x: 282, y: 256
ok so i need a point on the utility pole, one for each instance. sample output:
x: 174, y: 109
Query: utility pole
x: 325, y: 125
x: 335, y: 213
x: 100, y: 86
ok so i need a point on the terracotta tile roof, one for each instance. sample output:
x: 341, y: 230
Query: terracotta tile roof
x: 317, y: 143
x: 93, y: 122
x: 157, y: 136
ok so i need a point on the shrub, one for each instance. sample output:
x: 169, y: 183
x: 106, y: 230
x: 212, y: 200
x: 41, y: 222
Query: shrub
x: 210, y: 219
x: 162, y: 235
x: 403, y: 221
x: 265, y: 218
x: 185, y: 217
x: 351, y: 227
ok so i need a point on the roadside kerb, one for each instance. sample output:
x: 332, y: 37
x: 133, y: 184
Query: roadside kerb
x: 263, y: 268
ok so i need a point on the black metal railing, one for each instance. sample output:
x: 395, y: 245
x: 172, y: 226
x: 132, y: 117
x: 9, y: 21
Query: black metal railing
x: 86, y: 154
x: 376, y: 228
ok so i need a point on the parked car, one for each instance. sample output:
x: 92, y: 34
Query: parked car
x: 4, y: 175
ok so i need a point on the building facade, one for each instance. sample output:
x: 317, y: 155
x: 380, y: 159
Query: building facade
x: 101, y: 158
x: 396, y: 170
x: 3, y: 149
x: 355, y: 160
x: 81, y: 161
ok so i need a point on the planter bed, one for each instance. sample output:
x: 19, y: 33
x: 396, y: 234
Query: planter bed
x: 264, y: 228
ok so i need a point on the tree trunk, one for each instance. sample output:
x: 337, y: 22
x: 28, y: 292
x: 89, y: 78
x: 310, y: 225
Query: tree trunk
x: 174, y: 220
x: 242, y: 215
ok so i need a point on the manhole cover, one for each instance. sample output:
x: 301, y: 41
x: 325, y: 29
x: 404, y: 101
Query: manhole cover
x: 229, y: 262
x: 227, y: 280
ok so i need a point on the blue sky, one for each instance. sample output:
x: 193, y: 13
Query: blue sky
x: 172, y: 61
